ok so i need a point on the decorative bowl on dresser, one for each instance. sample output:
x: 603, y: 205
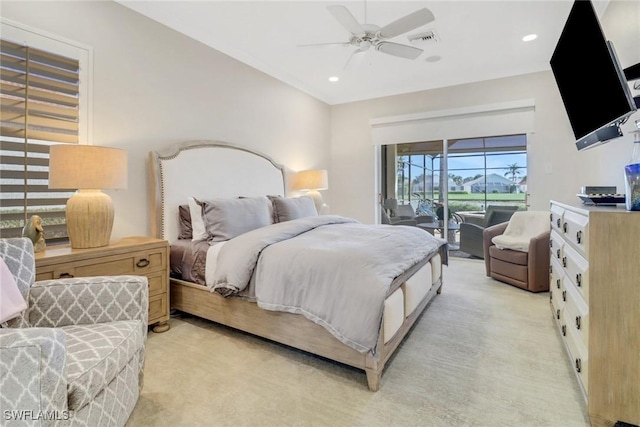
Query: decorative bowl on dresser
x: 139, y: 256
x: 595, y: 301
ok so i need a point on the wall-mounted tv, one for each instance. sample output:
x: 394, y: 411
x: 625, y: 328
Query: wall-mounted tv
x: 591, y: 81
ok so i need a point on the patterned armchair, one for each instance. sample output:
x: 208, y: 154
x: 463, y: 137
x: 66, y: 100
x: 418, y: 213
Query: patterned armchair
x: 75, y: 356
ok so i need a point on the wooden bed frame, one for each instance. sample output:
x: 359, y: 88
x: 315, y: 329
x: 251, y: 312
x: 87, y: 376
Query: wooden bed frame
x: 202, y: 169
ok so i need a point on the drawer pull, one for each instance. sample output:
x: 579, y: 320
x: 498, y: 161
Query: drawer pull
x: 564, y: 227
x: 579, y: 279
x: 578, y: 322
x: 558, y: 283
x: 550, y: 243
x: 550, y: 296
x: 142, y: 263
x: 550, y: 269
x: 564, y: 296
x: 579, y: 236
x: 558, y: 222
x: 564, y: 261
x: 65, y: 276
x: 558, y: 314
x: 551, y: 217
x: 564, y: 330
x: 558, y: 253
x: 578, y: 365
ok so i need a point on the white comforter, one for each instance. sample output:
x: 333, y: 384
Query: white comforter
x: 332, y: 270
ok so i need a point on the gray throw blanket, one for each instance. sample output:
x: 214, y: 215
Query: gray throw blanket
x: 333, y: 270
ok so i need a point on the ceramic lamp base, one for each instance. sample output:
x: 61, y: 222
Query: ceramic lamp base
x: 89, y: 219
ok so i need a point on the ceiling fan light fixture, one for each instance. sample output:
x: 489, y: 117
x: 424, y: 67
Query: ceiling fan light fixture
x: 334, y: 79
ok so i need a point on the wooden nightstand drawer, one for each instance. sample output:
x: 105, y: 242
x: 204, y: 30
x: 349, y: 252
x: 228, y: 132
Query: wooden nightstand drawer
x: 158, y: 307
x: 157, y: 283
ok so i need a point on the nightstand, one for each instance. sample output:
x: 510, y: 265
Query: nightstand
x: 139, y: 256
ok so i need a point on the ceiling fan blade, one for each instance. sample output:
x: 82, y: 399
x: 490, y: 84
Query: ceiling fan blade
x: 345, y: 18
x: 352, y: 57
x: 407, y: 23
x: 401, y: 50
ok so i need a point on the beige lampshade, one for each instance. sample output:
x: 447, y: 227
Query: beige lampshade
x: 87, y: 167
x: 313, y: 179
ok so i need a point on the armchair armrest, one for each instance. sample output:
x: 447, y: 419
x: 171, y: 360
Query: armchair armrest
x: 32, y: 362
x: 539, y: 254
x: 488, y: 234
x: 89, y: 300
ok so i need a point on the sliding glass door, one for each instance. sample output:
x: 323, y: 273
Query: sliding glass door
x: 461, y: 176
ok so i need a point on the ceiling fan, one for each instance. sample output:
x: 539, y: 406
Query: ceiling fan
x: 368, y: 36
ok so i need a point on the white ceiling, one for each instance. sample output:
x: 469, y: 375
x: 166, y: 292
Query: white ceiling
x: 478, y: 40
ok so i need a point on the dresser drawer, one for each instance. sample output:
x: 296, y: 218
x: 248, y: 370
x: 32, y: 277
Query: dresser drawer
x: 556, y: 218
x: 576, y: 314
x: 556, y: 286
x: 579, y: 357
x: 556, y: 244
x: 576, y: 231
x: 576, y: 270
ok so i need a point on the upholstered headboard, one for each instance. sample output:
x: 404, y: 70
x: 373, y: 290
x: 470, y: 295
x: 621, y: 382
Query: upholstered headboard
x: 206, y: 170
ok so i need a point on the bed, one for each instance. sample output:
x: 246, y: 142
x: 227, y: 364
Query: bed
x: 220, y: 171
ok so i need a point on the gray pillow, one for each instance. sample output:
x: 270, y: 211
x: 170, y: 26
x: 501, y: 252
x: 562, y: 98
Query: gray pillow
x: 225, y: 219
x: 286, y: 209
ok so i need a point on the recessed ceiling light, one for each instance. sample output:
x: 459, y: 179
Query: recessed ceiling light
x: 333, y: 79
x: 433, y: 58
x: 529, y: 37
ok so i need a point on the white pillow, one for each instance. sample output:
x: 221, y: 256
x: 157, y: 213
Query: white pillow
x: 197, y: 224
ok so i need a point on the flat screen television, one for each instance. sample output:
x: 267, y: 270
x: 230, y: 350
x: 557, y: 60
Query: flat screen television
x: 590, y: 79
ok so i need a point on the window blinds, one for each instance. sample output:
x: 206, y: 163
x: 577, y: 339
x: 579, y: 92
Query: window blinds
x: 39, y: 97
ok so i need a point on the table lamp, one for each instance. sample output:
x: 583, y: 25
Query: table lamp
x: 312, y: 180
x: 88, y: 169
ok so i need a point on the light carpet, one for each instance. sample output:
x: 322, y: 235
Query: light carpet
x: 482, y: 354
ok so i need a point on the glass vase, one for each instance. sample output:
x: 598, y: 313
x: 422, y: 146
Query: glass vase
x: 632, y: 186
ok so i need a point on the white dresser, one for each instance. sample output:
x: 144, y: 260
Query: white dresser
x: 595, y: 301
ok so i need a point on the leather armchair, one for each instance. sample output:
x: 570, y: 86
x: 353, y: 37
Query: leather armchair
x: 526, y: 270
x: 76, y: 354
x: 471, y: 232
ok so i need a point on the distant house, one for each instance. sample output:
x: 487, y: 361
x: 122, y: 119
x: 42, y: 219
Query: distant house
x: 492, y: 183
x: 418, y: 187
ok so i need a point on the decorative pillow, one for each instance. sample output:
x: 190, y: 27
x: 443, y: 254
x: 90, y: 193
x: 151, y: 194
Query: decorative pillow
x: 286, y: 209
x: 199, y: 232
x: 225, y: 219
x: 184, y: 216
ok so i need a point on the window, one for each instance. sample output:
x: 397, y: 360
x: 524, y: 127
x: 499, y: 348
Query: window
x: 41, y: 104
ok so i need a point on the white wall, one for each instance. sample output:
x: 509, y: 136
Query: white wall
x: 154, y: 87
x: 556, y: 170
